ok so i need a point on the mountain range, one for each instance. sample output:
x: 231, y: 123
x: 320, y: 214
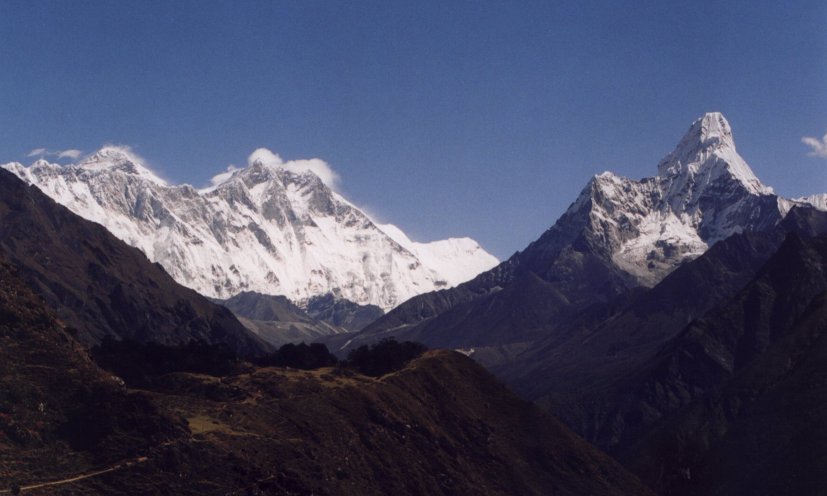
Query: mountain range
x: 674, y: 323
x: 618, y: 235
x: 671, y: 321
x: 277, y: 320
x: 268, y: 228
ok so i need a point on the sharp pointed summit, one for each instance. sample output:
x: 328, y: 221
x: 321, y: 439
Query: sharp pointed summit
x: 706, y: 134
x: 703, y: 193
x: 704, y: 155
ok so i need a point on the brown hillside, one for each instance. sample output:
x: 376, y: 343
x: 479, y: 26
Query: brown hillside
x: 442, y: 425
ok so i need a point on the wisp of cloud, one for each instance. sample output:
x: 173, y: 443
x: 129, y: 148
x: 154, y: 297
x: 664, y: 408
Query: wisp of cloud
x: 43, y: 152
x: 819, y: 146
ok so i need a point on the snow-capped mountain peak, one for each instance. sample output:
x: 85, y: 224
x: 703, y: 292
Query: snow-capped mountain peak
x: 705, y: 136
x: 704, y: 155
x: 273, y: 227
x: 703, y: 192
x: 119, y: 158
x: 710, y: 131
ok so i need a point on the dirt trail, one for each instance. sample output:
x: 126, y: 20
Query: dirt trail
x: 118, y: 466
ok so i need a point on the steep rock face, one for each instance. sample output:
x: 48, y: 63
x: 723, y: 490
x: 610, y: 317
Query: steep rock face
x: 264, y: 228
x: 98, y: 284
x: 618, y: 234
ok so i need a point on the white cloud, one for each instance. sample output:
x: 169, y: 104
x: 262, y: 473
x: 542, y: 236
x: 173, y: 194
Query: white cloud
x: 314, y: 165
x: 265, y: 157
x: 71, y: 153
x: 819, y: 146
x: 43, y: 152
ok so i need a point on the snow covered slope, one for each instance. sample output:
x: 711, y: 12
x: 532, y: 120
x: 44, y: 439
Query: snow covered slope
x: 818, y: 201
x: 453, y: 258
x: 269, y: 228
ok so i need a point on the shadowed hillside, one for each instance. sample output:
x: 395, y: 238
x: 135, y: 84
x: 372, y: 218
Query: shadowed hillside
x: 60, y: 414
x: 441, y: 425
x: 99, y: 285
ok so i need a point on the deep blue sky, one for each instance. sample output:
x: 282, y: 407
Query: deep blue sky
x: 446, y: 118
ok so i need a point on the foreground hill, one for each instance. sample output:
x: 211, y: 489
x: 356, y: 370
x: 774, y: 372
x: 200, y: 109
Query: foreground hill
x: 99, y: 285
x: 60, y: 414
x: 441, y: 425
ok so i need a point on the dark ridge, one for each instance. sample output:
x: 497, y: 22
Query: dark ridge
x: 257, y: 306
x: 137, y: 363
x: 734, y: 398
x: 383, y: 357
x: 299, y: 356
x: 440, y: 425
x: 100, y: 285
x: 342, y: 313
x: 276, y: 319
